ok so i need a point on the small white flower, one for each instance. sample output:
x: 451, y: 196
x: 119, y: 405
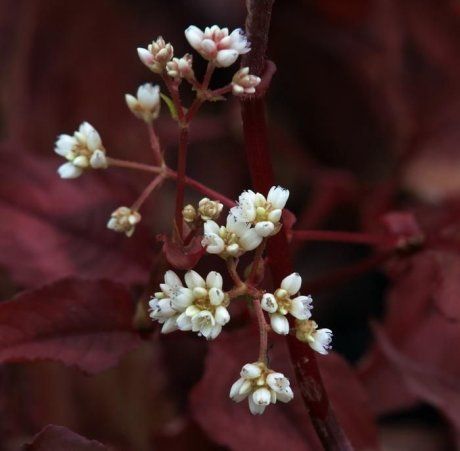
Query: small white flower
x: 156, y: 55
x: 244, y: 83
x: 124, y: 220
x: 234, y: 239
x: 217, y: 45
x: 201, y: 304
x: 83, y: 150
x: 146, y: 105
x: 181, y: 67
x: 161, y: 308
x: 318, y: 339
x: 262, y: 212
x: 283, y: 302
x: 261, y: 386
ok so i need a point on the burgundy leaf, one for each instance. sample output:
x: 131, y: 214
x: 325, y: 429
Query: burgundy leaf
x: 81, y: 323
x: 57, y: 228
x: 232, y: 425
x: 59, y: 438
x: 182, y: 257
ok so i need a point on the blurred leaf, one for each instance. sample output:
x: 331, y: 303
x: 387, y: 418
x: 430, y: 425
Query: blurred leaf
x: 81, y: 323
x: 59, y: 438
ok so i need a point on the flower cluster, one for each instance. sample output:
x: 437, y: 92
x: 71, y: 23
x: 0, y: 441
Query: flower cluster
x: 124, y: 220
x: 261, y: 386
x: 83, y: 150
x: 254, y: 218
x: 200, y: 306
x: 217, y: 45
x: 282, y: 302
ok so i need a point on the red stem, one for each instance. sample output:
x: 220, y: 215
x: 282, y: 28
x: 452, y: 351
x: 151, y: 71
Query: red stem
x: 342, y: 237
x: 147, y: 191
x: 155, y: 144
x: 181, y: 165
x: 263, y: 336
x: 258, y: 156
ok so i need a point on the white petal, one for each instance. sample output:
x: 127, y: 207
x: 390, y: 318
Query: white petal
x: 93, y: 140
x: 222, y: 316
x: 301, y: 307
x: 169, y: 326
x: 250, y: 371
x: 277, y: 381
x: 226, y: 58
x: 235, y: 390
x: 148, y: 95
x: 278, y: 196
x: 264, y: 228
x: 269, y: 303
x: 216, y: 296
x: 172, y: 279
x: 145, y: 56
x: 275, y: 215
x: 193, y: 279
x: 192, y: 310
x: 292, y: 283
x: 214, y: 279
x: 98, y: 160
x: 69, y: 171
x: 254, y: 408
x: 184, y: 322
x: 216, y: 330
x: 250, y: 240
x: 286, y: 395
x: 211, y: 227
x: 194, y: 36
x: 181, y: 298
x: 262, y: 396
x: 207, y: 48
x: 81, y: 161
x: 64, y: 145
x: 213, y: 243
x: 322, y: 343
x: 279, y: 324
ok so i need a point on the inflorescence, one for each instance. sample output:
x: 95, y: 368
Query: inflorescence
x: 201, y: 304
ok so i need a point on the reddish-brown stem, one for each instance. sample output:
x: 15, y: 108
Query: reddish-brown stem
x: 133, y: 165
x: 174, y: 92
x: 147, y: 191
x: 343, y: 237
x: 169, y: 173
x: 256, y: 261
x: 221, y: 91
x: 155, y: 145
x: 263, y: 336
x: 181, y: 165
x: 231, y: 268
x: 257, y: 151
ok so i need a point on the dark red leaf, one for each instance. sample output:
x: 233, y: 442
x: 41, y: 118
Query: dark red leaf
x: 429, y: 383
x: 78, y: 322
x: 59, y: 438
x: 232, y: 425
x: 182, y: 257
x: 57, y: 228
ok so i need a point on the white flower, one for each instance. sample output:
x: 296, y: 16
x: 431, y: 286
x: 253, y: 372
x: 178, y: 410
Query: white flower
x: 83, y: 150
x: 161, y: 308
x: 318, y: 339
x: 123, y: 219
x: 244, y: 83
x: 261, y: 386
x: 285, y: 301
x: 217, y: 45
x: 147, y: 104
x: 156, y: 55
x: 264, y: 213
x: 202, y: 304
x: 181, y: 67
x: 234, y: 239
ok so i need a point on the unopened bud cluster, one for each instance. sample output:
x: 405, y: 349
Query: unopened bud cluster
x: 124, y: 220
